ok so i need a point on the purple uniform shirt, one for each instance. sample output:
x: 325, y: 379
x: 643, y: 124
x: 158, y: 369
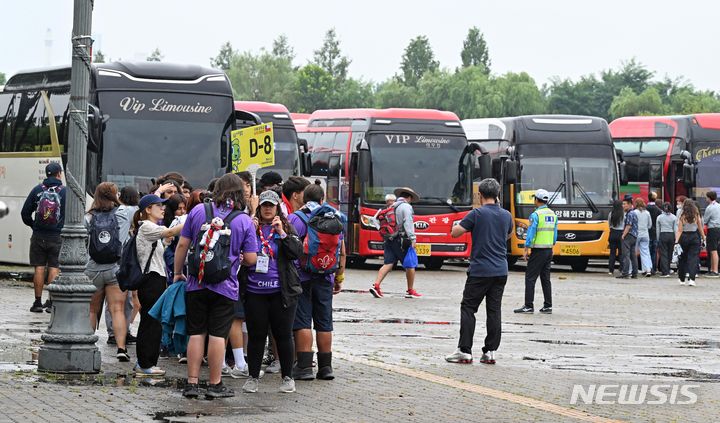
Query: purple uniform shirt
x: 301, y: 230
x: 242, y: 238
x: 265, y: 283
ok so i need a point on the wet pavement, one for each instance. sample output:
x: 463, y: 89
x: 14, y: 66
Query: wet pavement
x: 389, y: 358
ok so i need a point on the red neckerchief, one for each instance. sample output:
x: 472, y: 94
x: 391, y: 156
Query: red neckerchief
x: 287, y: 204
x: 265, y: 243
x: 206, y: 248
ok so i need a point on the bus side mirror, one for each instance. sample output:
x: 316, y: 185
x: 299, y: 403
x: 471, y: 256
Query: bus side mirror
x: 306, y: 164
x: 95, y: 127
x: 622, y: 170
x: 364, y: 165
x: 485, y: 165
x: 689, y: 174
x: 303, y: 144
x: 511, y: 170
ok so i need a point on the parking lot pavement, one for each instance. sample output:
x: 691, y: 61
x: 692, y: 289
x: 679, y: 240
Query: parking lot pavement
x: 604, y: 333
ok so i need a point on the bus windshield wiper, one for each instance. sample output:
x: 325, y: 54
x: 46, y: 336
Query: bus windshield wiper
x: 442, y: 201
x: 557, y: 191
x: 585, y: 196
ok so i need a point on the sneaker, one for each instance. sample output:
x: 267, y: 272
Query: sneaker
x: 488, y: 357
x: 191, y: 390
x: 37, y: 307
x: 648, y: 274
x: 164, y: 352
x: 182, y: 359
x: 225, y: 371
x: 610, y: 273
x: 251, y: 385
x: 691, y: 282
x: 622, y: 277
x: 376, y: 291
x: 633, y: 276
x: 48, y: 306
x: 524, y: 310
x: 273, y: 367
x: 130, y: 339
x: 288, y: 385
x: 152, y: 371
x: 665, y: 276
x: 411, y: 293
x: 218, y: 391
x: 546, y: 310
x: 712, y: 275
x: 111, y: 340
x: 459, y: 357
x: 122, y: 355
x: 682, y: 282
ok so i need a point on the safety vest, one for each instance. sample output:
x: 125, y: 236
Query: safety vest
x: 545, y: 234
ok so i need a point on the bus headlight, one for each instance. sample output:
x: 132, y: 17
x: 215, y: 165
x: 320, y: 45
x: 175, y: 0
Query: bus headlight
x: 369, y: 222
x: 521, y: 230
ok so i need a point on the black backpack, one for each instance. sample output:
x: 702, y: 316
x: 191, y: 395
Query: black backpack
x: 104, y: 243
x: 217, y: 260
x: 130, y: 275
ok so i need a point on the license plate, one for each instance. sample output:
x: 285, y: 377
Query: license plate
x: 422, y: 250
x: 569, y: 250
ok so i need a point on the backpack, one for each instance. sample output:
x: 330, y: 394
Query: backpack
x: 104, y: 243
x: 130, y: 275
x: 322, y: 243
x: 48, y: 206
x: 217, y: 265
x: 388, y: 223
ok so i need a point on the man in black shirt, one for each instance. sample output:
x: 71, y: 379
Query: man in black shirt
x: 654, y: 211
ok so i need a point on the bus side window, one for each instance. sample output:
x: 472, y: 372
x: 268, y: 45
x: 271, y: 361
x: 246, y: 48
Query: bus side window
x: 321, y: 149
x: 341, y: 142
x: 31, y: 132
x: 59, y: 101
x: 8, y: 107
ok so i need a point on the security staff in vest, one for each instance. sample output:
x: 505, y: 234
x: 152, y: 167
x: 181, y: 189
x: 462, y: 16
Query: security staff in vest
x: 541, y: 237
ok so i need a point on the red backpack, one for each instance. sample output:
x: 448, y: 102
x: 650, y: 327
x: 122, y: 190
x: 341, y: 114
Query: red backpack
x: 388, y: 222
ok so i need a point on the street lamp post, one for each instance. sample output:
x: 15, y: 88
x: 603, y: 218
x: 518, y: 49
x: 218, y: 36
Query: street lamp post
x: 69, y: 342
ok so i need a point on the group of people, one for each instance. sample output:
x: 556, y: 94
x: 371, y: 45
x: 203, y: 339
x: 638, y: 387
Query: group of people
x: 227, y: 259
x: 661, y: 237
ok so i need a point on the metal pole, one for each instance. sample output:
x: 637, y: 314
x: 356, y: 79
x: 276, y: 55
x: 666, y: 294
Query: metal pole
x: 69, y: 342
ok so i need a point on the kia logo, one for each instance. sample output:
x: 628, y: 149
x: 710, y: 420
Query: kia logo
x: 421, y: 225
x: 570, y: 236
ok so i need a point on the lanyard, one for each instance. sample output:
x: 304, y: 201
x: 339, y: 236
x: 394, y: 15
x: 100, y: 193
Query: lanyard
x: 266, y: 248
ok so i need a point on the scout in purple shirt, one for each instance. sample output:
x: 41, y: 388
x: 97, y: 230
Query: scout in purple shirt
x: 269, y: 281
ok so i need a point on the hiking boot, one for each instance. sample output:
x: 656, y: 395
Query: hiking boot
x: 251, y: 385
x: 376, y: 291
x: 459, y: 357
x: 48, y: 306
x: 288, y: 385
x: 191, y: 390
x: 325, y: 370
x: 546, y: 310
x: 37, y: 307
x: 130, y: 339
x: 488, y: 357
x: 303, y: 367
x: 122, y: 355
x: 218, y: 391
x: 273, y: 367
x: 411, y: 293
x: 524, y: 310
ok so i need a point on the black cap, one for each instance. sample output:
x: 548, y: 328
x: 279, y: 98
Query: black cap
x: 271, y: 178
x: 52, y: 169
x: 628, y: 197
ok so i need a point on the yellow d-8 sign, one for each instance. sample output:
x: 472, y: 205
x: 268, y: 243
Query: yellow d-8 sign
x: 254, y: 145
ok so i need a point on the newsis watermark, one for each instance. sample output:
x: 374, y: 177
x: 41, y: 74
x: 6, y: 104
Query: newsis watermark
x: 635, y: 394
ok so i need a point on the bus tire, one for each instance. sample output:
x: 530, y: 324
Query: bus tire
x: 580, y: 265
x: 434, y: 263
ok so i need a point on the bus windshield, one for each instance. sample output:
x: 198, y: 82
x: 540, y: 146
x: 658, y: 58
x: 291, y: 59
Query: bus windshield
x: 414, y: 163
x: 573, y: 174
x: 148, y: 134
x: 707, y: 178
x: 287, y: 161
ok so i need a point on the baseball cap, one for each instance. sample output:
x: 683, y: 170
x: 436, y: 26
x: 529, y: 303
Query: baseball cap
x: 269, y: 196
x: 149, y: 200
x: 542, y: 195
x: 271, y: 178
x: 53, y: 169
x: 628, y: 197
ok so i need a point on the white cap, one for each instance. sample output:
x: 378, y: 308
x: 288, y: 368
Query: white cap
x: 390, y: 197
x: 542, y: 195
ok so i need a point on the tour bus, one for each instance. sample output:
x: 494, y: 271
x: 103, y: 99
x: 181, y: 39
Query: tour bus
x: 573, y: 158
x: 365, y: 154
x: 290, y: 152
x: 145, y: 119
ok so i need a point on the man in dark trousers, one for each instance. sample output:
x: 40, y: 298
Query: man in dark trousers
x: 654, y: 211
x: 541, y: 237
x: 491, y: 227
x: 44, y: 212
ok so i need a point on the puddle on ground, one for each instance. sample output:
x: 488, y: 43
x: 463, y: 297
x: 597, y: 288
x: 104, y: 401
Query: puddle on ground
x: 700, y: 344
x: 690, y: 374
x: 551, y: 341
x: 400, y: 335
x: 397, y: 321
x: 115, y: 379
x: 17, y: 367
x: 345, y: 310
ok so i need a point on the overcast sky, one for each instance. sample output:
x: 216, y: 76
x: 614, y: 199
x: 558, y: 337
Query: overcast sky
x: 547, y: 38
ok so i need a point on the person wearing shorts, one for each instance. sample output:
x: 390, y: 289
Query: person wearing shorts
x: 45, y: 242
x: 211, y: 308
x: 711, y: 218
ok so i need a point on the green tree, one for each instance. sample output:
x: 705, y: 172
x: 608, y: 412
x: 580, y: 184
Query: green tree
x: 313, y: 89
x: 475, y: 50
x: 155, y: 56
x: 417, y: 60
x: 99, y: 57
x: 628, y: 103
x: 224, y: 58
x: 262, y: 77
x: 518, y: 94
x: 330, y: 58
x: 281, y: 48
x: 394, y: 93
x: 2, y: 78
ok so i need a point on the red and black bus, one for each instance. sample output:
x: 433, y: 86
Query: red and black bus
x: 365, y: 154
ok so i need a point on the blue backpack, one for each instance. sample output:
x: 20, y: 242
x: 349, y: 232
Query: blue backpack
x: 323, y: 242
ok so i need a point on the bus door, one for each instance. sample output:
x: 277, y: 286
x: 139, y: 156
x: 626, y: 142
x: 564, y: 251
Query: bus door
x: 656, y: 177
x: 337, y: 187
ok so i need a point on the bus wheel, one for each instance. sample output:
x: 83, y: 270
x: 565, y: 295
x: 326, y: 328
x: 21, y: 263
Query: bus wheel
x: 434, y: 263
x: 580, y: 265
